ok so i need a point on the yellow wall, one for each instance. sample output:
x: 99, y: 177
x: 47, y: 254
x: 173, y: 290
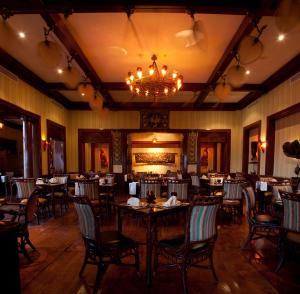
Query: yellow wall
x: 26, y: 97
x: 283, y: 96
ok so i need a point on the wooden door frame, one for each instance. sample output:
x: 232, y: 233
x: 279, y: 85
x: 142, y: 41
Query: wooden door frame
x: 246, y: 137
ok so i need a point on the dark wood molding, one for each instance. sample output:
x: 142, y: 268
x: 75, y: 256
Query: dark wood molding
x: 63, y: 34
x: 285, y: 72
x: 271, y: 128
x: 222, y: 136
x: 212, y: 7
x: 93, y: 136
x: 57, y: 132
x: 246, y: 136
x: 159, y: 144
x: 13, y: 65
x: 244, y: 29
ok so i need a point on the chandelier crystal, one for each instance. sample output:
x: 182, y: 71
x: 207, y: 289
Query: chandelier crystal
x: 156, y: 83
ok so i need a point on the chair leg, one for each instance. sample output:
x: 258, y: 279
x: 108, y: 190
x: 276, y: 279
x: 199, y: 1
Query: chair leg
x: 282, y: 252
x: 249, y: 238
x: 184, y: 279
x: 23, y: 249
x: 30, y: 244
x: 211, y: 261
x: 83, y: 264
x: 97, y: 282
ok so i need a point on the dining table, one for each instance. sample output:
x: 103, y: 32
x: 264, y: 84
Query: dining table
x: 150, y: 213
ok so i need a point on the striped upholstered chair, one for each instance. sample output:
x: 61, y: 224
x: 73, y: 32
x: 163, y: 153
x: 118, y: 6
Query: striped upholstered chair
x: 180, y: 188
x: 232, y: 200
x: 89, y: 188
x: 150, y: 185
x: 101, y: 247
x: 290, y: 227
x: 261, y: 225
x: 198, y: 242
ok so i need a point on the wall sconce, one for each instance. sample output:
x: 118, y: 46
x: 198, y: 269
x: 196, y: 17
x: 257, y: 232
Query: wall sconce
x: 44, y: 144
x: 262, y: 146
x: 1, y: 125
x: 154, y: 140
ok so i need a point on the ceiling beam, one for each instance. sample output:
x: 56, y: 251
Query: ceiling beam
x: 285, y: 72
x: 233, y: 7
x: 63, y: 34
x: 244, y: 29
x: 121, y: 86
x: 13, y: 65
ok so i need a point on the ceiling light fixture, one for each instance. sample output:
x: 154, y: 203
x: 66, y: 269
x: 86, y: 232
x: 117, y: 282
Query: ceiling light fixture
x: 156, y: 83
x: 22, y: 35
x: 60, y: 71
x: 247, y: 72
x: 280, y: 37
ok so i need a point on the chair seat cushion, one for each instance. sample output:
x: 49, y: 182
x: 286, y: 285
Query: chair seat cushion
x: 114, y: 238
x: 24, y: 201
x: 9, y: 207
x: 42, y: 200
x: 231, y: 202
x: 268, y: 194
x: 266, y: 218
x: 294, y: 237
x: 59, y: 194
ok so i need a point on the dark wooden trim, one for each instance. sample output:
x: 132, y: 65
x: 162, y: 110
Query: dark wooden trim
x: 246, y: 135
x: 13, y: 65
x: 93, y: 136
x: 222, y: 136
x: 177, y: 6
x: 271, y: 123
x: 93, y: 156
x: 160, y: 144
x: 63, y: 34
x: 58, y: 132
x: 244, y: 29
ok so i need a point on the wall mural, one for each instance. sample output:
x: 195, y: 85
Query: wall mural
x: 155, y: 158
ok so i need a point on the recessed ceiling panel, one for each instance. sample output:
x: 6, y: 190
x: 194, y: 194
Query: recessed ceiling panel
x: 115, y: 44
x: 233, y: 97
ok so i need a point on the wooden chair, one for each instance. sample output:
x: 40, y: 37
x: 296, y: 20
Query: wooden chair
x: 260, y: 225
x: 198, y: 242
x: 23, y: 216
x: 61, y: 196
x: 101, y: 247
x: 290, y: 227
x: 233, y: 201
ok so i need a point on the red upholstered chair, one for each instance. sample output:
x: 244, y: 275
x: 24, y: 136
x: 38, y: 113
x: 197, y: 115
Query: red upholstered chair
x: 198, y: 242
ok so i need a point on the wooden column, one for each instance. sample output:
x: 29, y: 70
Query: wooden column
x: 27, y: 147
x: 93, y: 147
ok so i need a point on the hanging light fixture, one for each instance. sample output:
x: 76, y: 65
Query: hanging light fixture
x: 251, y: 48
x: 86, y: 91
x: 222, y: 89
x: 48, y: 51
x: 71, y: 75
x: 96, y: 103
x: 236, y: 74
x: 156, y: 83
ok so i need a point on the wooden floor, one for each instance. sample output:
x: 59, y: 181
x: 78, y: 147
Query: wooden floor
x: 59, y: 255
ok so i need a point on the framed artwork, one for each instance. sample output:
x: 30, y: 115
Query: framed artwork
x: 155, y: 158
x: 154, y: 119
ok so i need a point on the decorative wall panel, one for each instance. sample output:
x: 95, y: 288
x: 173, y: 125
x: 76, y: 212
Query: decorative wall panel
x: 192, y: 147
x: 117, y: 147
x: 155, y: 158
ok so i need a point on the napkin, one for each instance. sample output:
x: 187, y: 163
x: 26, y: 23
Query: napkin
x: 204, y: 177
x: 274, y: 180
x: 133, y: 201
x: 39, y: 181
x: 229, y: 177
x: 53, y: 181
x: 102, y: 181
x: 171, y: 202
x: 263, y: 186
x: 132, y: 188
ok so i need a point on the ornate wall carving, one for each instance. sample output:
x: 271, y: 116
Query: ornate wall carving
x: 192, y: 147
x: 117, y: 147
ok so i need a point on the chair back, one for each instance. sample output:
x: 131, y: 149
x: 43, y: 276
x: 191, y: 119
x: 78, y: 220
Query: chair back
x: 180, y: 187
x: 31, y: 206
x: 291, y: 211
x: 202, y: 219
x: 233, y: 189
x: 86, y: 217
x: 195, y: 180
x: 249, y: 195
x: 24, y: 187
x: 62, y: 179
x: 284, y: 186
x: 150, y: 185
x: 89, y: 188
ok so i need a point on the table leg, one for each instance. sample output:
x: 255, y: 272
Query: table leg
x: 149, y: 251
x: 119, y: 220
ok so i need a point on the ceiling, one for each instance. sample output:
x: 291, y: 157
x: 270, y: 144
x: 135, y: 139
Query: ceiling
x: 109, y: 39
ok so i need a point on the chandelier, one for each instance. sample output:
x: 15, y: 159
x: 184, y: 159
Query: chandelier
x: 156, y: 83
